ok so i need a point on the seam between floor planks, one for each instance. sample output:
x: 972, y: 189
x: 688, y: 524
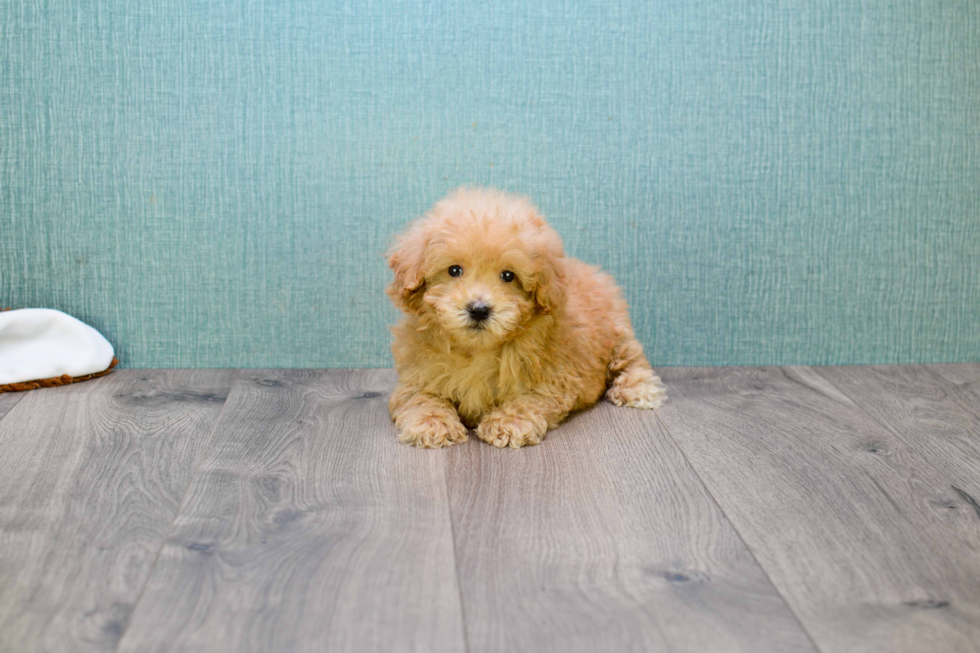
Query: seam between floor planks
x: 452, y: 535
x: 836, y: 375
x: 942, y: 465
x: 94, y: 467
x: 297, y: 525
x: 183, y: 500
x: 7, y: 402
x: 785, y: 448
x: 859, y: 405
x: 739, y: 534
x: 603, y: 538
x: 564, y: 453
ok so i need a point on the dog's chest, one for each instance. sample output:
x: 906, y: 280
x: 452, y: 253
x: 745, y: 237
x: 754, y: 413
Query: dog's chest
x: 478, y: 383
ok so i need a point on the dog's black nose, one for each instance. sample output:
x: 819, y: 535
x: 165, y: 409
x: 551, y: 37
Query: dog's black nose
x: 478, y: 311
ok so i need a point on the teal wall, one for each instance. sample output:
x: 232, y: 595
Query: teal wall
x: 213, y: 183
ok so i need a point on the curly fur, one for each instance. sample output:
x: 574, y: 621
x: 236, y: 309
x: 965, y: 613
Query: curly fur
x: 558, y: 336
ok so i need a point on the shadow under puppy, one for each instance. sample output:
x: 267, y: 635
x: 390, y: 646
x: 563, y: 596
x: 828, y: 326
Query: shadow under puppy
x: 503, y: 333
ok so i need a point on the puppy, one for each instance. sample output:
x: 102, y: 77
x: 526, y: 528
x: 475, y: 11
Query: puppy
x: 502, y: 332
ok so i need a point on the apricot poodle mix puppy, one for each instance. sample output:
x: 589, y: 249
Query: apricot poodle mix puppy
x: 503, y: 333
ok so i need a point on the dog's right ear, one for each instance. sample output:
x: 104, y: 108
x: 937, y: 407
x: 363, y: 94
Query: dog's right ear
x: 406, y: 259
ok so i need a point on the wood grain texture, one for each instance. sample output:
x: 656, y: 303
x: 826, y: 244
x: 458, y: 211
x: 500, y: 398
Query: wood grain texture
x: 966, y: 376
x: 308, y: 528
x: 7, y: 401
x: 937, y: 418
x: 602, y: 539
x: 845, y: 517
x: 91, y: 477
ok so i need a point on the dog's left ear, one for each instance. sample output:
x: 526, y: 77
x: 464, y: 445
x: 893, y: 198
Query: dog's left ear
x: 406, y: 259
x: 549, y: 288
x: 548, y: 282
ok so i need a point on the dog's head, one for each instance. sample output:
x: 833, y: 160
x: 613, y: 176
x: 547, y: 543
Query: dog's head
x: 481, y: 264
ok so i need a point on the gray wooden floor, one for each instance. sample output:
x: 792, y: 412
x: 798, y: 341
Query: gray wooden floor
x: 761, y: 509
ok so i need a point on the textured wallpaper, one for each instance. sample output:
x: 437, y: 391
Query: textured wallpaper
x: 213, y: 183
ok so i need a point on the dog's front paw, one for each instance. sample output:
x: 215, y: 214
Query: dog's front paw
x: 431, y: 431
x: 511, y: 431
x: 637, y: 393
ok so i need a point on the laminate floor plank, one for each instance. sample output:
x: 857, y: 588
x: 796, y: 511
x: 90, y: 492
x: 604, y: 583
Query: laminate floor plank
x: 937, y: 417
x: 134, y: 518
x: 91, y: 477
x: 846, y: 518
x: 308, y: 527
x: 965, y: 375
x: 603, y: 539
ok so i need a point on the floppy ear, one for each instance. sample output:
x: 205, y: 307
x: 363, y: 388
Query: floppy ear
x: 549, y: 287
x: 548, y: 281
x: 406, y: 259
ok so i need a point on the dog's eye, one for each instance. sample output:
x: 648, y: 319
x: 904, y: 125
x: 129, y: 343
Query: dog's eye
x: 507, y: 276
x: 455, y: 271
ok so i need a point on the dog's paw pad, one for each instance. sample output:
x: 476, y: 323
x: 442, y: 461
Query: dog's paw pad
x: 646, y: 395
x: 432, y: 433
x: 513, y: 432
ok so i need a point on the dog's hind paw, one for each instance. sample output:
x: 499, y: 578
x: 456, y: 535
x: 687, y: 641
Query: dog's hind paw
x: 646, y: 394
